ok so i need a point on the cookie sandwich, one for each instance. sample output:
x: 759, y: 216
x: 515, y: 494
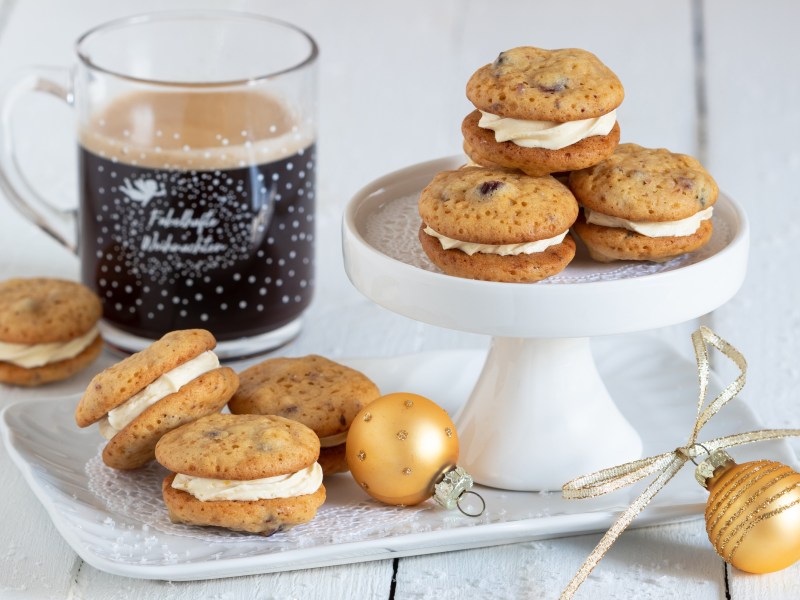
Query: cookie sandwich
x: 174, y: 381
x: 497, y: 225
x: 251, y: 473
x: 48, y: 330
x: 644, y: 204
x: 319, y: 393
x: 542, y: 111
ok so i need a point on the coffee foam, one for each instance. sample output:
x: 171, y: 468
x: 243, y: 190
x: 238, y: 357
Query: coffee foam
x: 194, y: 130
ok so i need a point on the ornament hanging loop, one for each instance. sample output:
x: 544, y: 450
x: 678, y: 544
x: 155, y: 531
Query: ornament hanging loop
x: 451, y: 489
x: 708, y: 453
x: 467, y: 513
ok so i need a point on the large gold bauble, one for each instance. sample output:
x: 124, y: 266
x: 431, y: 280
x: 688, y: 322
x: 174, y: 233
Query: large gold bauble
x: 399, y: 446
x: 753, y: 515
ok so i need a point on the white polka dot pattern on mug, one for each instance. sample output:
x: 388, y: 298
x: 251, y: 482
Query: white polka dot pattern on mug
x: 194, y: 248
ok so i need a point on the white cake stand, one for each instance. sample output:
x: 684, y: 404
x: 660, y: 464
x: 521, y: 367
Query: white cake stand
x: 540, y: 413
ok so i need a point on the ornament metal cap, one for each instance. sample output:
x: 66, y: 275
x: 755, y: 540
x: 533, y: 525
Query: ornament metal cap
x: 455, y: 484
x: 705, y: 470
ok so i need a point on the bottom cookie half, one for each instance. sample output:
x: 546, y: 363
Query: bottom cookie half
x: 522, y: 268
x: 263, y: 517
x: 16, y: 375
x: 607, y: 244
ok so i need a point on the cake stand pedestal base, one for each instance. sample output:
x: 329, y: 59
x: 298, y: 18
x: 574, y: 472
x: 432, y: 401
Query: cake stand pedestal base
x: 540, y: 415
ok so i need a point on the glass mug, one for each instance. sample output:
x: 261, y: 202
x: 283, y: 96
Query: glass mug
x: 196, y: 134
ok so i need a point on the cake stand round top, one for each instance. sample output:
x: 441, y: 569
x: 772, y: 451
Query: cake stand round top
x: 384, y: 260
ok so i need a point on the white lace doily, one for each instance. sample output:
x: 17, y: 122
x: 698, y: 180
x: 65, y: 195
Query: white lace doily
x: 393, y: 227
x: 137, y: 494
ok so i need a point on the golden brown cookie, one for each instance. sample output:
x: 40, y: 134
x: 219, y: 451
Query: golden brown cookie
x: 481, y: 147
x: 608, y: 244
x: 175, y: 380
x: 476, y: 160
x: 263, y: 517
x: 496, y: 206
x: 313, y: 390
x: 645, y: 184
x: 227, y: 456
x: 333, y: 459
x: 497, y: 225
x: 644, y: 204
x: 542, y: 111
x: 135, y: 445
x: 523, y: 268
x: 48, y: 330
x: 224, y: 446
x: 118, y: 383
x: 57, y: 371
x: 40, y: 310
x: 545, y: 85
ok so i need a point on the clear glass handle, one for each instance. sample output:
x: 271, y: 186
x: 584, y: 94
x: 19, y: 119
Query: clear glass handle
x: 59, y: 223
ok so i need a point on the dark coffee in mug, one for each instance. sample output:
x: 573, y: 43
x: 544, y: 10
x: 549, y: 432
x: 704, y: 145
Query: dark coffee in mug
x: 197, y: 211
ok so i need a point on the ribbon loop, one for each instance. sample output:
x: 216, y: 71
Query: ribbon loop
x: 667, y: 464
x: 608, y: 480
x: 700, y: 338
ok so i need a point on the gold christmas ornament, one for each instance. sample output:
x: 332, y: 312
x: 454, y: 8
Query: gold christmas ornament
x: 403, y: 448
x: 753, y: 512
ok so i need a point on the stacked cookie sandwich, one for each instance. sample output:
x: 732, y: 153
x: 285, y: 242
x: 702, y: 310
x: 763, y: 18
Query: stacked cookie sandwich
x: 497, y: 225
x: 644, y: 204
x: 253, y: 473
x: 542, y: 114
x: 48, y: 330
x: 174, y: 381
x: 537, y: 112
x: 542, y: 111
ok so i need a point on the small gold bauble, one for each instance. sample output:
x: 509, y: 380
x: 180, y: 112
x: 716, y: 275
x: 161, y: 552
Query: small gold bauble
x: 753, y: 515
x: 399, y: 446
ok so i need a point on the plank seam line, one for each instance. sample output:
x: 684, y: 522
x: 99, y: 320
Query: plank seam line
x: 727, y: 583
x: 701, y: 107
x: 393, y: 585
x: 73, y: 593
x: 700, y: 90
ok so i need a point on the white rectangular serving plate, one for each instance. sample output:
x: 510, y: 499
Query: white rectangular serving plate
x: 115, y: 520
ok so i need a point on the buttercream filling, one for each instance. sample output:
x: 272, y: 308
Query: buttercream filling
x: 306, y: 481
x: 170, y: 382
x: 333, y: 440
x: 653, y: 229
x: 471, y: 248
x: 30, y: 356
x: 550, y: 135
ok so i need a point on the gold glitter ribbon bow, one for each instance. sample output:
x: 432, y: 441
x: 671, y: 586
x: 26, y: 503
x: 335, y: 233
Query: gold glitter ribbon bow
x: 669, y: 463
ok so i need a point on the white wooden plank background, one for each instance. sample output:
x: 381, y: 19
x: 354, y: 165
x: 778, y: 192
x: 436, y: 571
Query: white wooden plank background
x: 753, y: 123
x: 392, y: 79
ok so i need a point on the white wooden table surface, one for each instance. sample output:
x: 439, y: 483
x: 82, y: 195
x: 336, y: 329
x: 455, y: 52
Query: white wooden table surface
x: 713, y: 78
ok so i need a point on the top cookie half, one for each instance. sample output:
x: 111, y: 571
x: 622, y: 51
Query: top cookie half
x: 645, y: 184
x: 240, y: 447
x: 496, y: 206
x: 116, y: 384
x: 40, y: 310
x: 545, y: 85
x: 313, y: 390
